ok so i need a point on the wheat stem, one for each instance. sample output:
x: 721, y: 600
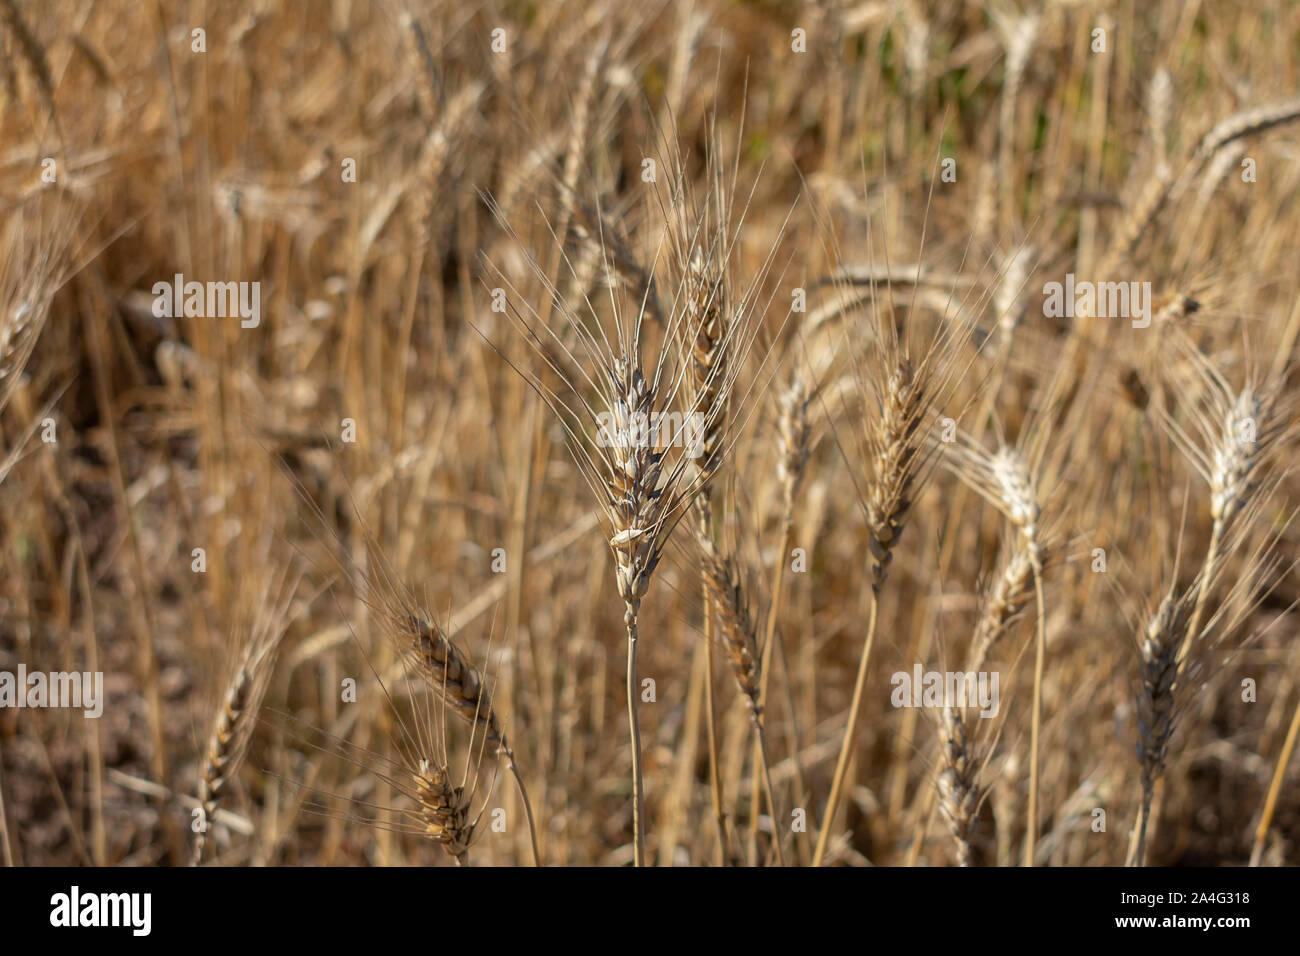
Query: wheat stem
x: 1275, y: 788
x: 638, y: 821
x: 528, y: 807
x: 850, y: 738
x: 766, y: 774
x: 1040, y: 652
x: 710, y: 724
x: 769, y: 637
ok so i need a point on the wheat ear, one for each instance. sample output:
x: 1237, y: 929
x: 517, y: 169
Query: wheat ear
x: 237, y: 716
x: 448, y: 672
x: 706, y: 389
x: 1162, y: 186
x: 444, y: 810
x: 1007, y: 597
x: 794, y: 439
x: 722, y: 580
x: 958, y: 784
x: 896, y: 458
x: 1157, y: 696
x: 1005, y: 479
x: 1237, y: 431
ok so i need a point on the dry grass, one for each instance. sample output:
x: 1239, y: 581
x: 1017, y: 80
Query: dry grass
x: 836, y: 258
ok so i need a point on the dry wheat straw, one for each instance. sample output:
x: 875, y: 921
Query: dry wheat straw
x: 1275, y: 787
x: 643, y: 491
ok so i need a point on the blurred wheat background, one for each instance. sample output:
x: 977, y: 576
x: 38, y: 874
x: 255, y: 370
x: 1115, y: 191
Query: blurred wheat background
x: 837, y: 251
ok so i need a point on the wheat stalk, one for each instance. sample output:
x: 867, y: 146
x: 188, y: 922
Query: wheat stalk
x: 1006, y: 480
x: 643, y: 491
x: 705, y: 295
x: 237, y: 713
x: 794, y: 440
x: 896, y: 457
x: 1237, y: 432
x: 736, y: 628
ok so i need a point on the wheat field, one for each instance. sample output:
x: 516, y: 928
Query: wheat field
x: 679, y: 433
